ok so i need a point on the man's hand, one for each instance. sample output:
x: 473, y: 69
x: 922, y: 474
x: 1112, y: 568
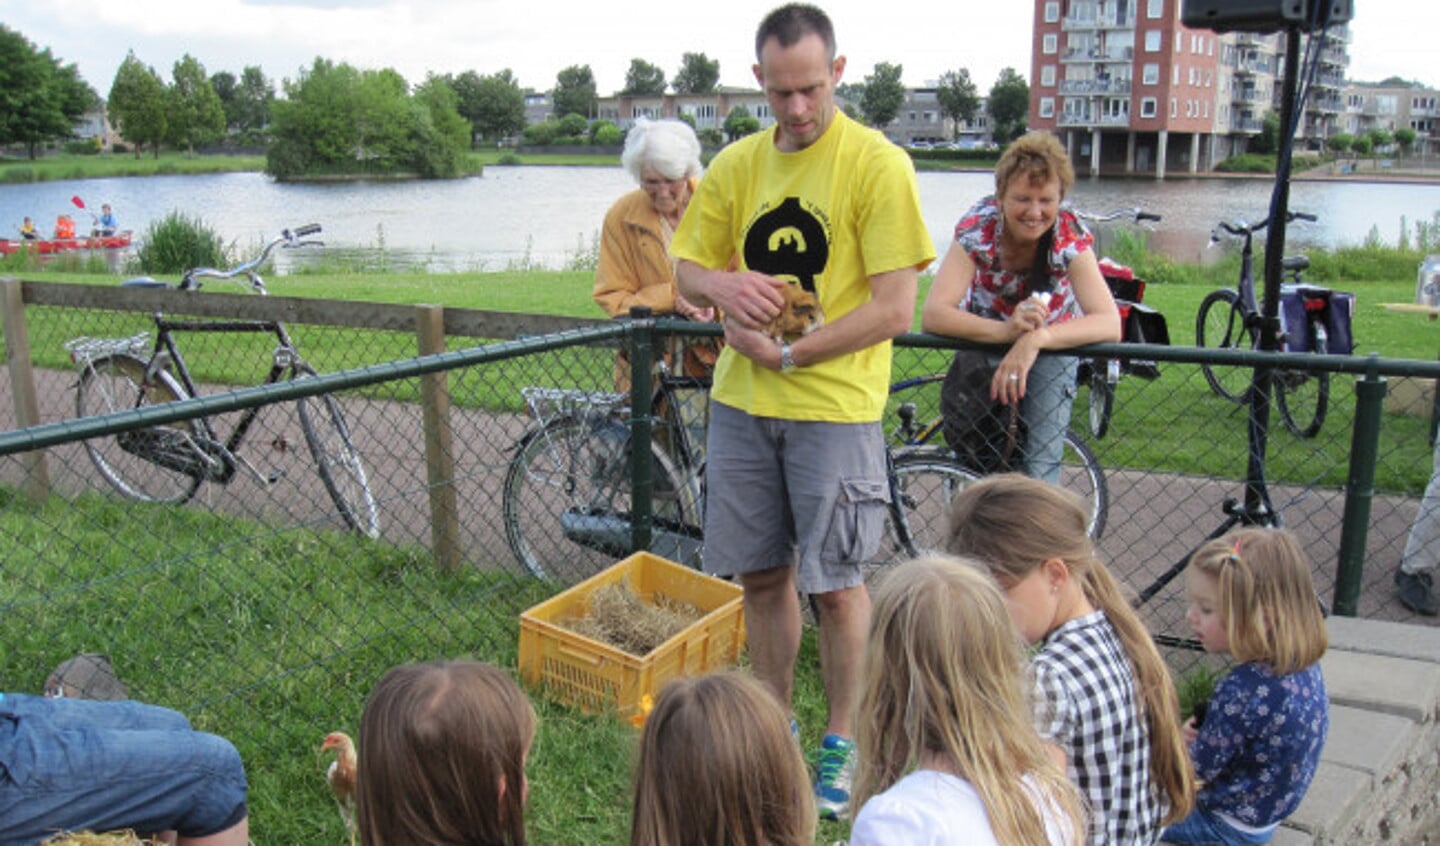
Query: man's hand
x: 749, y: 298
x: 753, y: 344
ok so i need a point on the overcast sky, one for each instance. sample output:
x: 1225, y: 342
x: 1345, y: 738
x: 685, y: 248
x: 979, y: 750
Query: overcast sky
x: 537, y: 38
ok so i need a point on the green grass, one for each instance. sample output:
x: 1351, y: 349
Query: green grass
x: 108, y: 165
x: 274, y: 638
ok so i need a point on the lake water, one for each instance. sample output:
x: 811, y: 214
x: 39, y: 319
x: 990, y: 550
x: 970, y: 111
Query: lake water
x: 542, y: 216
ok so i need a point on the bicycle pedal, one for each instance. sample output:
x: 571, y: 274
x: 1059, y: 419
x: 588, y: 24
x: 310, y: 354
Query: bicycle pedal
x: 280, y: 444
x: 274, y: 476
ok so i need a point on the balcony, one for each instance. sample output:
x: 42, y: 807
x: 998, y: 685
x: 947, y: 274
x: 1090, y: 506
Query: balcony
x: 1082, y: 119
x: 1094, y: 86
x: 1096, y: 54
x: 1246, y: 125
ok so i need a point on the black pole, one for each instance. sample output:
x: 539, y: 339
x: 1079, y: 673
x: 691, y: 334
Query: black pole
x: 1257, y: 498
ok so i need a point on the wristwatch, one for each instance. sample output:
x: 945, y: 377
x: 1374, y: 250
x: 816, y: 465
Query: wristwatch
x: 787, y: 361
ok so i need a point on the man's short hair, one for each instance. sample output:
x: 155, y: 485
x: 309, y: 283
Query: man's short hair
x: 793, y: 21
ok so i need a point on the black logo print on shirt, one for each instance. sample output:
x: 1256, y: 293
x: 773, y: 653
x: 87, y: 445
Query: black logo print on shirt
x: 787, y: 242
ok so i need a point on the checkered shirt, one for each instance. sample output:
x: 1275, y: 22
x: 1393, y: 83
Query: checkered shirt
x: 1087, y: 702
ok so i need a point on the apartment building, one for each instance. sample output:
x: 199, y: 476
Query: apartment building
x: 1370, y: 106
x: 1131, y: 89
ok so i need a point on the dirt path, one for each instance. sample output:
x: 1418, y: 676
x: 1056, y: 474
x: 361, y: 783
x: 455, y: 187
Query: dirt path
x: 1154, y: 519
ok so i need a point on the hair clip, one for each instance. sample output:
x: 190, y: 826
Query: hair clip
x: 1234, y: 552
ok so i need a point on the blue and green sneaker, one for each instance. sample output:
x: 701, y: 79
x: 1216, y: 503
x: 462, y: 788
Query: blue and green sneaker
x: 834, y: 770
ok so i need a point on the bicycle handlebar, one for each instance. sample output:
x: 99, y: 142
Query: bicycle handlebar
x: 287, y: 238
x: 1240, y: 228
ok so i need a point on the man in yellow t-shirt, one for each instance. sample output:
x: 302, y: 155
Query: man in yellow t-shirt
x: 795, y: 475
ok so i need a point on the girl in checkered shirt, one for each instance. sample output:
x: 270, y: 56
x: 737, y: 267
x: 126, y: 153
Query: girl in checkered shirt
x: 1258, y: 743
x: 1103, y: 697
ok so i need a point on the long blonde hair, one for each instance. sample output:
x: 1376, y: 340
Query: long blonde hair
x: 1266, y: 596
x: 944, y: 678
x: 718, y: 767
x: 1013, y: 524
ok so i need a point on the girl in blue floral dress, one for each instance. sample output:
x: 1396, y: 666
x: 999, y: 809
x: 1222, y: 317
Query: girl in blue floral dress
x: 1258, y: 744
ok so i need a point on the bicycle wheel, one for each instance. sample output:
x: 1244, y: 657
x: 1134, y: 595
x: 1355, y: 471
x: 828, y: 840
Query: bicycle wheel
x: 567, y: 502
x: 337, y: 460
x: 1102, y: 395
x: 925, y: 481
x: 158, y: 464
x: 1304, y: 395
x: 1219, y: 325
x: 1080, y: 472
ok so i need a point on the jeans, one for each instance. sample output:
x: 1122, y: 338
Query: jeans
x: 72, y: 764
x: 1045, y: 408
x: 1203, y: 828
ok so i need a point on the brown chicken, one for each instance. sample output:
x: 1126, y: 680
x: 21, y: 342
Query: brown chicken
x: 341, y: 777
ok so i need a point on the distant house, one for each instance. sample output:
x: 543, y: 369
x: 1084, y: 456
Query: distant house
x: 96, y: 124
x: 708, y: 110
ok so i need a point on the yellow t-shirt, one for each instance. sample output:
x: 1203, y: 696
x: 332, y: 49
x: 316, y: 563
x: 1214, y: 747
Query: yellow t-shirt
x: 826, y: 218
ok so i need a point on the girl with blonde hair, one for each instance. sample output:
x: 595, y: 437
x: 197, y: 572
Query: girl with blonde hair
x: 1258, y: 745
x: 442, y: 757
x: 946, y: 749
x: 1103, y: 698
x: 718, y: 766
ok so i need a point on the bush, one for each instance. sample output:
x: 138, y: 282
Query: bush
x: 83, y: 147
x: 177, y: 243
x: 508, y: 159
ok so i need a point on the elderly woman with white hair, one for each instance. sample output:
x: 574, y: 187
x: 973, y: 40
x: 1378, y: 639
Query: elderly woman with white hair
x: 635, y: 266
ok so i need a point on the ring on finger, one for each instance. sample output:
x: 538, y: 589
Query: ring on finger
x: 1014, y: 377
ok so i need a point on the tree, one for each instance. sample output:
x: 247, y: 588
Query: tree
x: 494, y: 105
x: 1009, y: 106
x: 604, y: 133
x: 439, y: 134
x: 698, y: 74
x: 137, y: 104
x: 574, y: 92
x: 740, y: 123
x: 195, y: 116
x: 643, y: 78
x: 884, y: 95
x: 1405, y: 137
x: 1362, y: 145
x: 1380, y: 138
x: 226, y: 86
x: 958, y: 98
x: 40, y: 99
x: 253, y: 99
x: 1268, y: 141
x: 1339, y: 142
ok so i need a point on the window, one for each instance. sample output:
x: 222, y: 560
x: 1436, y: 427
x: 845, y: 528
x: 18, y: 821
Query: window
x: 1047, y: 107
x: 1174, y: 108
x: 1047, y: 75
x: 1049, y: 43
x: 1052, y: 11
x: 1152, y: 41
x: 1175, y: 75
x: 1154, y: 9
x: 1150, y: 74
x: 1147, y: 107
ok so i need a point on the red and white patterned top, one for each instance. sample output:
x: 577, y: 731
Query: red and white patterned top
x: 995, y: 291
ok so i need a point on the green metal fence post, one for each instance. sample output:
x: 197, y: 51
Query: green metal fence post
x: 1359, y: 489
x: 642, y: 357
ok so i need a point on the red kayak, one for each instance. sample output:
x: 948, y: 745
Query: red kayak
x: 46, y: 246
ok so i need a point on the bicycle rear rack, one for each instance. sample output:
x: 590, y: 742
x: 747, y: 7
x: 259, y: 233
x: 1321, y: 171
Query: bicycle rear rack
x: 84, y: 349
x: 549, y: 404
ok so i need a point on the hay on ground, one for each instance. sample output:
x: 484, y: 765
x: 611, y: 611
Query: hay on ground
x: 90, y: 838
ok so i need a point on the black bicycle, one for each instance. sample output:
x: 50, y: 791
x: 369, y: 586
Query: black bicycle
x: 167, y: 463
x: 568, y: 500
x: 1230, y: 318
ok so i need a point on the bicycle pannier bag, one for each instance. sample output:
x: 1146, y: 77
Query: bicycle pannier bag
x: 987, y: 436
x: 1336, y: 308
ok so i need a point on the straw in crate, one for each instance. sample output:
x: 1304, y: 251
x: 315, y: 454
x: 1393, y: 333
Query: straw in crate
x: 598, y: 677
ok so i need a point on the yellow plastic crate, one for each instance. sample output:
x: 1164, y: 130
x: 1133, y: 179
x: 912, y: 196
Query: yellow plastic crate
x: 597, y: 677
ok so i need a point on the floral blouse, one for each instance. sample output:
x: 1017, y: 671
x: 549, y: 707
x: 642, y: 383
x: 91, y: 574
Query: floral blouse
x: 1260, y: 743
x: 995, y: 291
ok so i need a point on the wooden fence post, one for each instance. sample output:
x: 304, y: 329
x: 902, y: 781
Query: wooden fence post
x: 439, y: 455
x: 22, y: 385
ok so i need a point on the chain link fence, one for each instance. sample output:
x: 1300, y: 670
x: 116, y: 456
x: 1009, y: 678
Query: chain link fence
x: 255, y: 607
